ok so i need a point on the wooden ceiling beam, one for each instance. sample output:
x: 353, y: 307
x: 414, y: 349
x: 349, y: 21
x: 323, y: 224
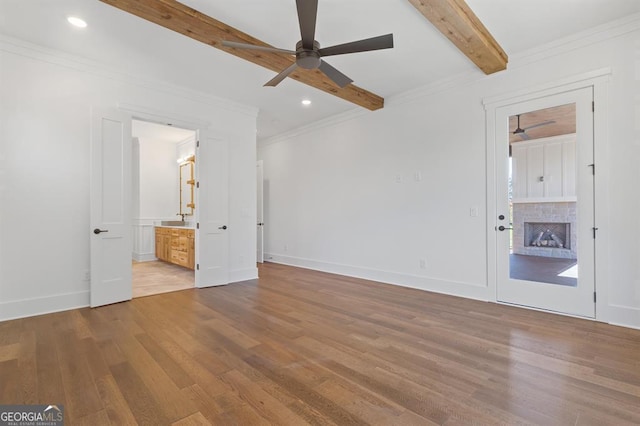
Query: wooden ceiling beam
x: 198, y: 26
x: 456, y: 20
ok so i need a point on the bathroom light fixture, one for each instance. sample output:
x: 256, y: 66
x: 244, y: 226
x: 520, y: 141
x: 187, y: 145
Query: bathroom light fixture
x: 306, y: 102
x: 188, y: 158
x: 76, y: 22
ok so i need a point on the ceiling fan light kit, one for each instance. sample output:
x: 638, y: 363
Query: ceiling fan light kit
x: 308, y: 52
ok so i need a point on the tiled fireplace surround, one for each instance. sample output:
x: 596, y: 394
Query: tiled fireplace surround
x: 544, y: 213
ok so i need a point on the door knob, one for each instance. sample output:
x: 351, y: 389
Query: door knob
x: 98, y: 231
x: 222, y: 227
x: 502, y: 228
x: 261, y: 224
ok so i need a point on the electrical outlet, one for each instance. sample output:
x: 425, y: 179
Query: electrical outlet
x: 286, y: 247
x: 398, y: 178
x: 86, y: 275
x: 417, y: 176
x: 423, y: 263
x: 473, y: 211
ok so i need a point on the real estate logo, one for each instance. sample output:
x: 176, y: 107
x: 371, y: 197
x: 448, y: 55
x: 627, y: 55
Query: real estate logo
x: 31, y: 415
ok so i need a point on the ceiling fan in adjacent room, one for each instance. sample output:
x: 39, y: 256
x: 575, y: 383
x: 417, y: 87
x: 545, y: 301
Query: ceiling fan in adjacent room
x: 522, y: 131
x: 308, y: 52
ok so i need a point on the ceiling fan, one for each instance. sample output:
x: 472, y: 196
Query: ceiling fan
x: 308, y: 52
x: 521, y: 131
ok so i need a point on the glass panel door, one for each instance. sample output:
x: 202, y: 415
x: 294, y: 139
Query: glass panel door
x: 545, y: 203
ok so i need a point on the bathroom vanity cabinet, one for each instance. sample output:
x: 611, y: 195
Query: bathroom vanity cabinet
x: 176, y: 245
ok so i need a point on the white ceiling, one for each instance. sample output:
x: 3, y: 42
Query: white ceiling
x: 421, y: 54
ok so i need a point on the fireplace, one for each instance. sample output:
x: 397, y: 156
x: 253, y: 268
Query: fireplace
x: 547, y: 234
x: 536, y: 224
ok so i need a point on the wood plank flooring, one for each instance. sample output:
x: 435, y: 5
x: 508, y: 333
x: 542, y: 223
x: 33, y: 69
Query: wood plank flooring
x: 303, y: 347
x: 160, y: 277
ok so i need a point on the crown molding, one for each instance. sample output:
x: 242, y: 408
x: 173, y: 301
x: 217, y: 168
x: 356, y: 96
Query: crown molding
x: 30, y: 50
x: 442, y: 85
x: 326, y: 122
x: 601, y: 33
x: 561, y: 46
x: 568, y: 83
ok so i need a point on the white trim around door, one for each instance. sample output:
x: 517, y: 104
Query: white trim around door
x: 597, y: 83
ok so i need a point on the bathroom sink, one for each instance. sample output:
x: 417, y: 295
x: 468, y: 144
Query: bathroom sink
x: 173, y: 223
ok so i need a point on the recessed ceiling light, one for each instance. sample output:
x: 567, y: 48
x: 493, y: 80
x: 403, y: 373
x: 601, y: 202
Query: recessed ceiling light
x: 76, y: 22
x: 306, y: 102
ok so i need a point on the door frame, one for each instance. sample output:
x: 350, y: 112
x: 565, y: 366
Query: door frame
x: 142, y: 113
x: 260, y: 210
x: 599, y: 82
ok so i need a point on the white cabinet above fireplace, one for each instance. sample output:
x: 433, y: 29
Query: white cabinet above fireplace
x: 544, y: 170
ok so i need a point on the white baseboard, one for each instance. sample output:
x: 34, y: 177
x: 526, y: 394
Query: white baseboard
x: 243, y: 275
x: 624, y: 316
x: 44, y: 305
x: 144, y: 257
x: 470, y: 291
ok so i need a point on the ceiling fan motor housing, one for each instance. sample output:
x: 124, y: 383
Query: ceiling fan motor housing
x: 306, y: 58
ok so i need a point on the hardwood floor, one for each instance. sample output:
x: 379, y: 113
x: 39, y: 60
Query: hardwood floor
x: 160, y: 277
x: 304, y: 347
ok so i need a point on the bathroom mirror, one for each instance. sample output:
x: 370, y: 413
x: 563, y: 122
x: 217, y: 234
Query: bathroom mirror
x: 187, y: 184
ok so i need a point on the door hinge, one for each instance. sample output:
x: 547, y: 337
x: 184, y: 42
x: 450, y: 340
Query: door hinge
x: 198, y: 266
x: 593, y: 106
x: 198, y: 225
x: 594, y: 232
x: 594, y: 297
x: 197, y: 144
x: 593, y: 168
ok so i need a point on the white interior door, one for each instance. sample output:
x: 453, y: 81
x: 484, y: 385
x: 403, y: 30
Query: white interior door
x: 531, y: 208
x: 212, y: 198
x: 110, y: 231
x: 260, y: 212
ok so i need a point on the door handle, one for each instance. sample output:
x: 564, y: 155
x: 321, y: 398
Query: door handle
x: 502, y: 228
x: 222, y: 227
x: 261, y: 224
x: 99, y: 231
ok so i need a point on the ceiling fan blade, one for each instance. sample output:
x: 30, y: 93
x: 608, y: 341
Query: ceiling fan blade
x: 284, y: 74
x: 307, y: 14
x: 544, y: 123
x: 524, y: 136
x: 335, y: 75
x: 374, y: 43
x: 236, y: 45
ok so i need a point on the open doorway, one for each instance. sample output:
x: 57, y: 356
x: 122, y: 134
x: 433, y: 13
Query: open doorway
x: 163, y: 208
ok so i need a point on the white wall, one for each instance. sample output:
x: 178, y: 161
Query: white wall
x: 159, y: 179
x: 156, y: 190
x: 333, y: 202
x: 45, y: 104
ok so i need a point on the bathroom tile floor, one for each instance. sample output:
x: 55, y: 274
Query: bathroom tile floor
x: 160, y: 277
